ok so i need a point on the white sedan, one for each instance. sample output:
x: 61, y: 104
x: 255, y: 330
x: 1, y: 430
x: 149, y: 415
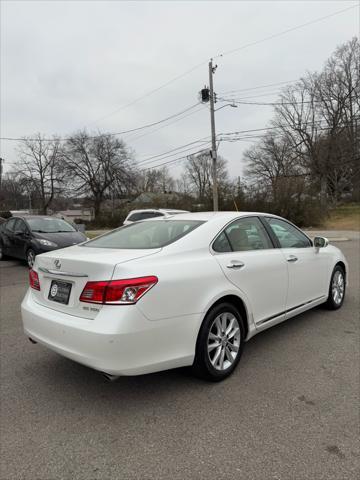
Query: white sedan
x: 187, y: 290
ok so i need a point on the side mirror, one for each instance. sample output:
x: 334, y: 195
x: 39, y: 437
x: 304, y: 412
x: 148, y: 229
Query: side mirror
x: 321, y: 242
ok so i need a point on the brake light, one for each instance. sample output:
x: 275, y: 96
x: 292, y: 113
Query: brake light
x: 34, y: 280
x: 117, y: 292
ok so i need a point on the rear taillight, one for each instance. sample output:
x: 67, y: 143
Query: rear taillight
x: 34, y: 280
x: 117, y: 292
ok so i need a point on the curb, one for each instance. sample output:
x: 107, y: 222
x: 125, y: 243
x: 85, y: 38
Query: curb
x: 340, y: 239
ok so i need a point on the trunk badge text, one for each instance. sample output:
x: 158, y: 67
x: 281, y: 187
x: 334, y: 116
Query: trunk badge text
x: 57, y: 263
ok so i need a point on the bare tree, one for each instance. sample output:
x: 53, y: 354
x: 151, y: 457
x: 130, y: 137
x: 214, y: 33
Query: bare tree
x: 155, y: 180
x: 319, y: 116
x: 39, y: 166
x: 198, y: 175
x: 97, y: 166
x: 274, y: 172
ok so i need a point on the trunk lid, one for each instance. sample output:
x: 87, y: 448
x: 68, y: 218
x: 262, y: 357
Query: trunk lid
x: 71, y: 268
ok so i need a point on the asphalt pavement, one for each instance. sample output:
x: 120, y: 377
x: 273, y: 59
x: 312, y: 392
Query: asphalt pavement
x: 290, y: 410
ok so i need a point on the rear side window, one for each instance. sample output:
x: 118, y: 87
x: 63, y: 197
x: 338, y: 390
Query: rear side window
x: 144, y: 235
x: 288, y: 235
x: 10, y: 224
x: 242, y: 235
x: 135, y: 217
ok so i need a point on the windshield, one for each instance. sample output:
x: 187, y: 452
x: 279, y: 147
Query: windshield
x: 143, y: 235
x: 49, y: 225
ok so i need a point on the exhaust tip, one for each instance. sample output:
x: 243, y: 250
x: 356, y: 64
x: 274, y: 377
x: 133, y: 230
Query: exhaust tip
x: 32, y: 341
x: 109, y: 377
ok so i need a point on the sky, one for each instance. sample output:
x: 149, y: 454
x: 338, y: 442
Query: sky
x: 70, y: 65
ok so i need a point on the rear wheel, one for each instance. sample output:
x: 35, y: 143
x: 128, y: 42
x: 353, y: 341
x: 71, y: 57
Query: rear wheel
x: 30, y: 257
x: 2, y: 256
x: 220, y: 343
x: 336, y: 289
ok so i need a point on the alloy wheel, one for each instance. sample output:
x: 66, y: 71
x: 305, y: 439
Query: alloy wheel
x: 338, y: 287
x: 30, y: 257
x: 224, y: 341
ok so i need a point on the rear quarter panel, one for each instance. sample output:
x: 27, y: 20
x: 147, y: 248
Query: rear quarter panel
x: 189, y: 283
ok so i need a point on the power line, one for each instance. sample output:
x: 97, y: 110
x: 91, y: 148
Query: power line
x: 240, y: 102
x: 109, y: 134
x: 284, y: 32
x: 174, y: 160
x: 151, y: 92
x: 258, y: 87
x: 176, y: 153
x: 229, y: 52
x: 238, y: 135
x: 137, y: 137
x: 181, y: 147
x: 178, y: 77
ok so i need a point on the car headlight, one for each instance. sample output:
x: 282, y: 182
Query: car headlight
x: 47, y: 243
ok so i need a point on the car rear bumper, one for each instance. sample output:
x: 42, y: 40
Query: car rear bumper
x: 120, y: 341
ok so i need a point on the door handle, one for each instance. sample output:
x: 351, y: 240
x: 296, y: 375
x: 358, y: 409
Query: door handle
x: 235, y: 264
x: 292, y: 258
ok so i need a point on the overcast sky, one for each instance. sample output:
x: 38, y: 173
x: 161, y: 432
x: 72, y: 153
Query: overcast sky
x: 67, y: 65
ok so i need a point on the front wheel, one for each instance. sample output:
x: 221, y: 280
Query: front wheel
x: 336, y: 289
x: 220, y: 343
x: 30, y: 257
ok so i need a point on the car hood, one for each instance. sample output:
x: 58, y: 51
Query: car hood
x: 62, y: 239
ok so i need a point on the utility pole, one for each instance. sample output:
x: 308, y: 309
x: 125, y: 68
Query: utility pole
x: 213, y: 137
x: 1, y: 170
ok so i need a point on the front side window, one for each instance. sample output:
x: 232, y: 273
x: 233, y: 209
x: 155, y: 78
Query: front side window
x: 49, y: 225
x: 288, y: 235
x: 144, y: 235
x: 242, y: 235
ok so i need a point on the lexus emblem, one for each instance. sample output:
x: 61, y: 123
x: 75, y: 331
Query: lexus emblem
x: 57, y: 263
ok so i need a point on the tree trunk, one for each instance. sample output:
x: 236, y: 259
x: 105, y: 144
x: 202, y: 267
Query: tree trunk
x: 97, y: 206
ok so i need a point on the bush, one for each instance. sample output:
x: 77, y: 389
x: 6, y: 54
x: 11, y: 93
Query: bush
x: 104, y: 221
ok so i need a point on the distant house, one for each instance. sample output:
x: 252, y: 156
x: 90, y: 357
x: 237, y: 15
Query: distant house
x: 85, y: 214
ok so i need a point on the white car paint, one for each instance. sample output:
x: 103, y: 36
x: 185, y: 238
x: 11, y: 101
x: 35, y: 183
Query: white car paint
x: 160, y: 331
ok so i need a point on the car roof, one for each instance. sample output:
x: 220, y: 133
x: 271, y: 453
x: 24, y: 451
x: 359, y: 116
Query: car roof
x: 208, y: 216
x: 164, y: 210
x: 27, y: 217
x: 24, y: 217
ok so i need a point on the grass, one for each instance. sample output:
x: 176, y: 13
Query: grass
x: 95, y: 233
x: 344, y: 217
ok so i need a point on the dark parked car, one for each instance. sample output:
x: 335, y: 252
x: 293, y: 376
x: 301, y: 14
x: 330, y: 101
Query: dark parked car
x: 26, y: 237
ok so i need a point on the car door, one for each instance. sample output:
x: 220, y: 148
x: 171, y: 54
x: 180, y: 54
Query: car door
x: 7, y: 234
x: 249, y: 260
x: 20, y: 239
x: 306, y: 266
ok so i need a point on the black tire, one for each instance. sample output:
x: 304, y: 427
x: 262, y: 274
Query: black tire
x: 30, y: 257
x: 333, y: 302
x: 2, y: 256
x: 203, y: 366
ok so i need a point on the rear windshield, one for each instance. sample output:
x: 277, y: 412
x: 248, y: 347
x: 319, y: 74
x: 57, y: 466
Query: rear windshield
x: 49, y: 225
x: 142, y: 235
